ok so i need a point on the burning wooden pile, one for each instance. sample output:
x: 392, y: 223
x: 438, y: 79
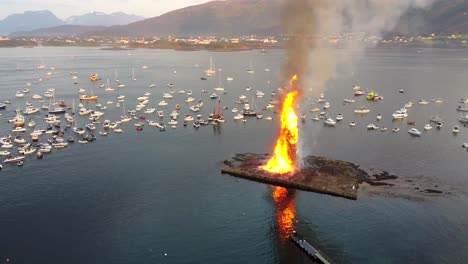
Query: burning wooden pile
x: 318, y: 174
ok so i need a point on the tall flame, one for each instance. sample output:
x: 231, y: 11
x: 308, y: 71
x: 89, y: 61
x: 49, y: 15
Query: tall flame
x: 284, y: 158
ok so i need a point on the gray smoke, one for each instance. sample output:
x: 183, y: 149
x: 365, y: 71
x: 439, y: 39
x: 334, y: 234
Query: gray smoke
x: 314, y: 28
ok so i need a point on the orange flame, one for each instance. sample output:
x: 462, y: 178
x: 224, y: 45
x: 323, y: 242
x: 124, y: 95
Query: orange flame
x: 284, y: 158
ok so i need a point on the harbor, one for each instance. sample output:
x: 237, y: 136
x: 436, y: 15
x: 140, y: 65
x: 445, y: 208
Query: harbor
x: 128, y: 193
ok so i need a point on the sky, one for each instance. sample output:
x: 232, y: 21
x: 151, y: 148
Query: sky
x: 66, y: 8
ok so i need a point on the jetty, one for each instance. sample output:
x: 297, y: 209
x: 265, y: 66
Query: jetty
x: 309, y: 249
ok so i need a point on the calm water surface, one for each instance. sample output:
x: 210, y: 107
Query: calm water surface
x: 159, y: 197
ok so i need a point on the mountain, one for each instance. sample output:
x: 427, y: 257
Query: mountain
x: 29, y: 20
x: 60, y: 31
x: 263, y: 17
x: 227, y: 18
x: 103, y: 19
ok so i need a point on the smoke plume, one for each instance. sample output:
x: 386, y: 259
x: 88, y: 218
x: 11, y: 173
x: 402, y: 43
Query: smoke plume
x: 316, y: 27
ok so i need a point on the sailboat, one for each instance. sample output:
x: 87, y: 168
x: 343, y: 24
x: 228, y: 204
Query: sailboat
x: 108, y: 87
x: 124, y: 118
x: 217, y: 116
x: 53, y: 109
x: 211, y: 71
x: 220, y: 87
x: 250, y: 69
x: 133, y: 73
x: 86, y: 97
x: 76, y: 129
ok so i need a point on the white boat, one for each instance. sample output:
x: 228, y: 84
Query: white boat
x: 14, y: 159
x: 152, y: 85
x: 396, y: 130
x: 372, y: 126
x: 162, y: 103
x: 167, y: 96
x: 188, y: 118
x: 462, y: 109
x: 423, y: 102
x: 356, y: 87
x: 211, y: 71
x: 383, y: 129
x: 415, y: 132
x: 19, y: 95
x: 118, y: 130
x: 213, y: 96
x: 190, y: 99
x: 409, y: 104
x: 259, y: 94
x: 79, y: 130
x: 36, y: 97
x: 19, y: 129
x: 239, y: 116
x: 379, y: 117
x: 172, y: 122
x: 329, y: 122
x: 455, y: 130
x: 161, y: 114
x: 250, y: 69
x: 427, y: 127
x: 150, y: 110
x: 234, y: 110
x: 400, y: 114
x: 268, y: 118
x: 31, y: 123
x: 31, y: 110
x: 194, y: 108
x: 362, y: 110
x: 352, y: 124
x: 229, y: 79
x: 349, y: 100
x: 339, y: 117
x: 5, y: 153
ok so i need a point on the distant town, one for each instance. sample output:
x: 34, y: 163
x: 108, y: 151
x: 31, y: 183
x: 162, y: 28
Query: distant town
x: 233, y: 43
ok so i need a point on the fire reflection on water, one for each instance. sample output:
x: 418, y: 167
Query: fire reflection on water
x: 285, y: 211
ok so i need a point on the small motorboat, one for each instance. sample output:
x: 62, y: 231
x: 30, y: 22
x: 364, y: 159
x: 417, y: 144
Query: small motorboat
x: 415, y: 132
x: 396, y: 130
x: 455, y: 130
x: 352, y: 124
x: 411, y: 123
x: 427, y: 127
x: 372, y: 126
x: 12, y: 159
x: 329, y: 122
x: 379, y: 116
x: 339, y: 117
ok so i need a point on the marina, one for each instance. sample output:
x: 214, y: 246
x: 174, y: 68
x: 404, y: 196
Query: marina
x: 126, y: 192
